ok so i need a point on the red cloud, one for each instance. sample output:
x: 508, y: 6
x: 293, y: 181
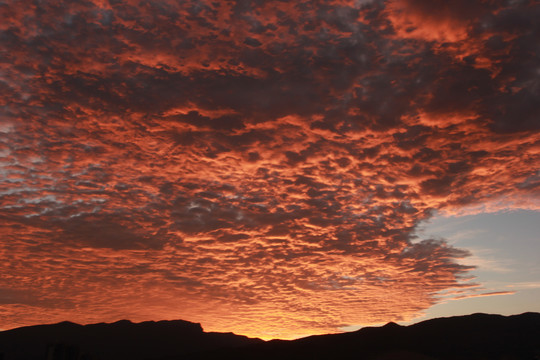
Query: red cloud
x: 253, y: 167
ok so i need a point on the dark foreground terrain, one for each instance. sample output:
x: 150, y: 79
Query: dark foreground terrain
x: 477, y: 336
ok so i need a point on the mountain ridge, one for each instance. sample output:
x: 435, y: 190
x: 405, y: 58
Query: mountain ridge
x: 474, y: 336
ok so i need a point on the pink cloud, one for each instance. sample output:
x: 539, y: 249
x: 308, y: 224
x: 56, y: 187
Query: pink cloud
x: 253, y: 167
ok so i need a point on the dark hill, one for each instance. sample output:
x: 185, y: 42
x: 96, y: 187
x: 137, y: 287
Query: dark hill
x: 120, y: 340
x: 477, y: 336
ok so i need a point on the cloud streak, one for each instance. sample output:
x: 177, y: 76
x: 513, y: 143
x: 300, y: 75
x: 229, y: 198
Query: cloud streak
x: 254, y: 165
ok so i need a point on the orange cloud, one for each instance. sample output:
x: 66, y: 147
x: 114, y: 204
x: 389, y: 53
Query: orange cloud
x: 264, y: 175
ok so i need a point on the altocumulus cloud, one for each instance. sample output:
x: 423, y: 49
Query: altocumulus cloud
x: 257, y: 166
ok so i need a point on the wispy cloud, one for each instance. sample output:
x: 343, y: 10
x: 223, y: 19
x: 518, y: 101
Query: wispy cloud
x: 494, y: 293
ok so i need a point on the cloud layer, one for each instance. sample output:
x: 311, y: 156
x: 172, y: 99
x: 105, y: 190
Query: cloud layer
x: 257, y: 166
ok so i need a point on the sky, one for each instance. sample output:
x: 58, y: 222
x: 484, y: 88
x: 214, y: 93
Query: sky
x: 272, y: 168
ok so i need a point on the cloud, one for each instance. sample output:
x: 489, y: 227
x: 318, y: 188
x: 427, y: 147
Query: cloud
x: 262, y: 164
x: 494, y: 293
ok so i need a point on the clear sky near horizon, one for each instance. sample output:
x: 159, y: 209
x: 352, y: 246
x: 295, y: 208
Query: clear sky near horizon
x: 272, y: 168
x: 504, y: 248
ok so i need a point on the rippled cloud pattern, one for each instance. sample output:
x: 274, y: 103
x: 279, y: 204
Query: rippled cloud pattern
x: 257, y: 166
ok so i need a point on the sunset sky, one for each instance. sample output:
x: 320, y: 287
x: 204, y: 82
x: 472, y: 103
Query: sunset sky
x: 272, y: 168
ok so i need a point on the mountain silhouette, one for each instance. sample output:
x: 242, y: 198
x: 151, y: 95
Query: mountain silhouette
x: 120, y: 340
x: 476, y: 336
